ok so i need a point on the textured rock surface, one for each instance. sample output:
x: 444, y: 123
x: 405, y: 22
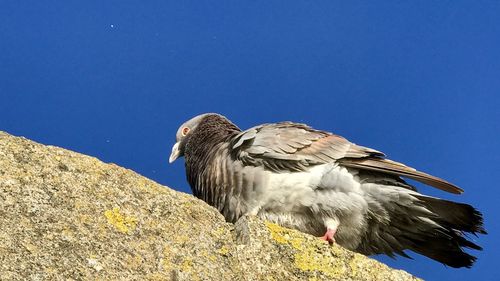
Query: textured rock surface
x: 67, y: 216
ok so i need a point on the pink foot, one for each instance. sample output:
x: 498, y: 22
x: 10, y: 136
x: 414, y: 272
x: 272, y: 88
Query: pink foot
x: 329, y: 235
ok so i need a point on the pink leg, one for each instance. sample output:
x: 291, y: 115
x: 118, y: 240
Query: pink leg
x: 329, y: 235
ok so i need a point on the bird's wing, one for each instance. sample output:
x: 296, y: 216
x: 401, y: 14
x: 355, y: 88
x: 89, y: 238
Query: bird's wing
x: 292, y: 146
x: 288, y: 146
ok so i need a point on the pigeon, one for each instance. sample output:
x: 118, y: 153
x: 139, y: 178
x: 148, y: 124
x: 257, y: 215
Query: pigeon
x: 322, y: 184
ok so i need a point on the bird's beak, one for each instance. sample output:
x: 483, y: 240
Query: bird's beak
x: 175, y: 153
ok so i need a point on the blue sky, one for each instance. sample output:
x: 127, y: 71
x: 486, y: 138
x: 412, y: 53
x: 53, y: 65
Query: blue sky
x: 419, y: 80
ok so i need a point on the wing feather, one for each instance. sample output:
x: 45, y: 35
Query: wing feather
x: 395, y: 168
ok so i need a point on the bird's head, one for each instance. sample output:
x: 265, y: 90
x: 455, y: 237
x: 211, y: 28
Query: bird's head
x: 183, y: 134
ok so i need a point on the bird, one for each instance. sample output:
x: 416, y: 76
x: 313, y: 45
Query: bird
x: 322, y: 184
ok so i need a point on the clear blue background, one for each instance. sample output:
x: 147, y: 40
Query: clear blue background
x: 418, y: 80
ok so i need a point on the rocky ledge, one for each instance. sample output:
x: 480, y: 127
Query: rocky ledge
x: 68, y: 216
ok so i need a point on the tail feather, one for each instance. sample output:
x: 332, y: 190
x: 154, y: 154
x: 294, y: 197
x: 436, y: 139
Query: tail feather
x: 458, y: 216
x: 429, y: 226
x: 443, y: 248
x: 445, y: 243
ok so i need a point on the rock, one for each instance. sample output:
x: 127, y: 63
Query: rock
x: 67, y: 216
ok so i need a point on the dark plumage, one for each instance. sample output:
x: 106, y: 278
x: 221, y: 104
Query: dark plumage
x: 320, y: 183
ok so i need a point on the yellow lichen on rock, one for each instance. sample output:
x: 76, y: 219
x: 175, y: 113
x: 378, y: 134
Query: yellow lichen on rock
x: 187, y: 264
x: 309, y: 260
x: 317, y: 258
x: 224, y: 250
x: 123, y: 223
x: 277, y: 232
x: 306, y: 257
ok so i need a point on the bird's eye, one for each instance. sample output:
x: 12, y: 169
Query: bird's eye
x: 185, y: 131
